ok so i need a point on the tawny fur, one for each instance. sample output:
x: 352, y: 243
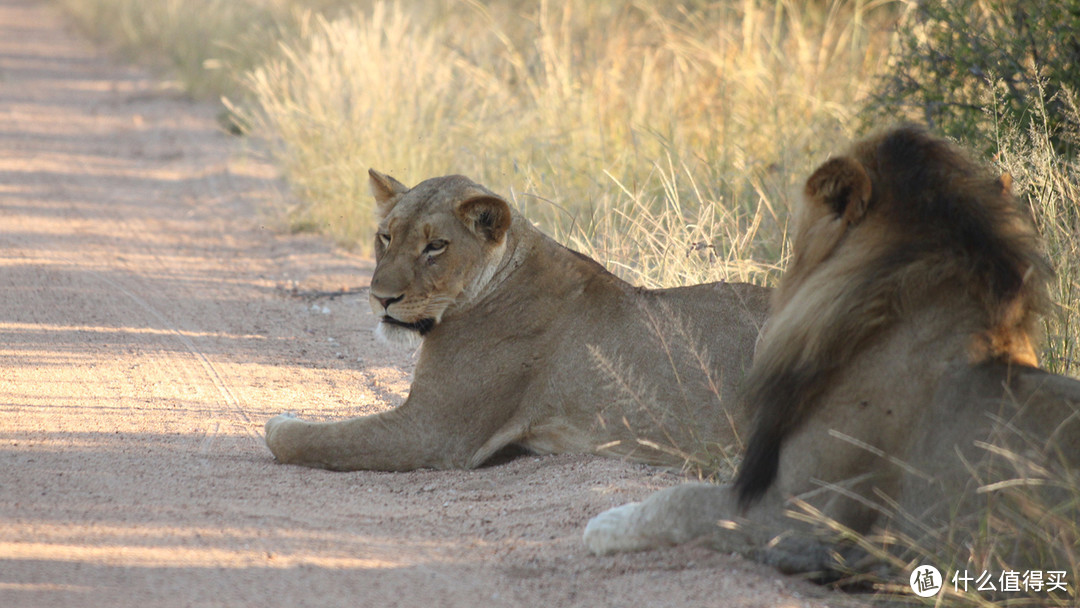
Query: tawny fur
x: 923, y: 216
x: 901, y: 345
x: 526, y: 343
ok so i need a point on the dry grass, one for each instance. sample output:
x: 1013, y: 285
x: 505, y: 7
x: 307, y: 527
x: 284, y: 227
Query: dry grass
x: 202, y: 44
x: 663, y: 142
x: 675, y: 429
x: 1024, y: 516
x: 1050, y: 182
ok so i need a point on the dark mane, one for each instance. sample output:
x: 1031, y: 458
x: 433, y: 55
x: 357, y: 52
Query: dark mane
x: 947, y: 221
x: 931, y: 190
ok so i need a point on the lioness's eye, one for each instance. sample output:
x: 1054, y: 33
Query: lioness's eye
x: 384, y: 239
x: 435, y: 247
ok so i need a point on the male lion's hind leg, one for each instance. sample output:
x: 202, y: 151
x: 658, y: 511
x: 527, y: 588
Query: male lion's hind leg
x: 709, y: 513
x: 670, y: 517
x: 614, y: 531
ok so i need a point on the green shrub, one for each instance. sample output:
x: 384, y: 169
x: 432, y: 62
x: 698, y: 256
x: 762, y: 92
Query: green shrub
x: 955, y: 59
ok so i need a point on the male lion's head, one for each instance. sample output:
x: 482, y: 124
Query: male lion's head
x: 903, y: 223
x: 437, y: 246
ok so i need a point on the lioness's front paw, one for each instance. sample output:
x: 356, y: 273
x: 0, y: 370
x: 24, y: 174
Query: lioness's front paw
x: 277, y: 421
x: 613, y: 531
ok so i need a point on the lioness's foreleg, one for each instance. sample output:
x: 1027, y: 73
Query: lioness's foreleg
x: 388, y: 441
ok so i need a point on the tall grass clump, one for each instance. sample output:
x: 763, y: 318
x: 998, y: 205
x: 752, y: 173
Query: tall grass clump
x: 1048, y: 179
x: 663, y: 140
x: 203, y: 44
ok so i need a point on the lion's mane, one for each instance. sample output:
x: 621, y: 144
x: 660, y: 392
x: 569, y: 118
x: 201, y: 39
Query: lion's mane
x: 919, y: 207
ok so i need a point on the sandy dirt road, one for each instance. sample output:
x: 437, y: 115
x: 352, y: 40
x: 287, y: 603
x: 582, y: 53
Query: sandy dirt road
x: 146, y: 333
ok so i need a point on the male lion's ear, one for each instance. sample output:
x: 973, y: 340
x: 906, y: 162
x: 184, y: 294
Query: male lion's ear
x: 1006, y: 182
x: 843, y: 185
x: 386, y: 190
x: 485, y: 214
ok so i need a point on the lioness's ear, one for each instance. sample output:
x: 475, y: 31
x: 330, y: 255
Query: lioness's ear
x: 843, y: 185
x: 485, y: 214
x: 386, y: 190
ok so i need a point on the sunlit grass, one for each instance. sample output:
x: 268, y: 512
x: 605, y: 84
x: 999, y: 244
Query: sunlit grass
x: 664, y: 142
x: 1050, y: 182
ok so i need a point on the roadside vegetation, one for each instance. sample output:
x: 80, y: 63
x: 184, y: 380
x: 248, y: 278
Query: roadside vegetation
x: 667, y: 140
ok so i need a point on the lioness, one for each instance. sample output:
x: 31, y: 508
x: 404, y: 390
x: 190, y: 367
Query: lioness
x: 527, y: 343
x: 897, y: 367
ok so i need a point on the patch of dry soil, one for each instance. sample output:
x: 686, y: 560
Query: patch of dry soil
x: 146, y: 333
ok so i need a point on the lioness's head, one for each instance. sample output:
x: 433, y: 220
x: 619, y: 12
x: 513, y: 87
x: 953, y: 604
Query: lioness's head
x: 436, y: 247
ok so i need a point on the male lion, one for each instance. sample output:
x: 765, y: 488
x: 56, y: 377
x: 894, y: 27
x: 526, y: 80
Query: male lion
x: 526, y: 343
x: 897, y: 366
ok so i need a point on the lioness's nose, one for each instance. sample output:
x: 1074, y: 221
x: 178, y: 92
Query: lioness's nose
x: 386, y: 302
